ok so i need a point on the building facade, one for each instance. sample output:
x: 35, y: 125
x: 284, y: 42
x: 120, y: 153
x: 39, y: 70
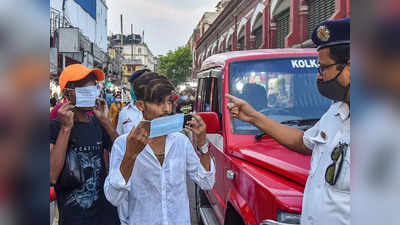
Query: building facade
x: 254, y: 24
x: 135, y: 53
x: 114, y: 65
x: 205, y: 22
x: 78, y: 34
x: 141, y: 54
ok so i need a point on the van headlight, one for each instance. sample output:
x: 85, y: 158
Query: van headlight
x: 283, y: 218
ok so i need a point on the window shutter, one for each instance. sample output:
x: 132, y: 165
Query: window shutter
x: 259, y: 37
x: 319, y: 10
x: 282, y: 28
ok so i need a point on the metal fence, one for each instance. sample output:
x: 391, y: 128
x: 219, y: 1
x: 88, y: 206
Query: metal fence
x: 57, y: 20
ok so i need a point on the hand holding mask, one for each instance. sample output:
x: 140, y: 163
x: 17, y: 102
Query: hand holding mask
x: 138, y: 138
x: 198, y: 127
x: 100, y: 111
x: 66, y: 115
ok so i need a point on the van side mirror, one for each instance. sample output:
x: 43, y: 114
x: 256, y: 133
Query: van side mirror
x: 212, y: 121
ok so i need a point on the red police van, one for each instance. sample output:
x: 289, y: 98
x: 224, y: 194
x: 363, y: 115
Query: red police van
x: 258, y: 181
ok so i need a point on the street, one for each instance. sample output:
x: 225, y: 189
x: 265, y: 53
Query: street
x: 192, y: 201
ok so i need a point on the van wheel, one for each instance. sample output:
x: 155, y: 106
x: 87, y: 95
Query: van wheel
x: 201, y: 201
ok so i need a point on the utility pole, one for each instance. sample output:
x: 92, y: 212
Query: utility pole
x: 132, y: 43
x: 122, y: 48
x: 122, y: 32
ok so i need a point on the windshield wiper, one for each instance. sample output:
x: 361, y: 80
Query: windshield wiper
x: 300, y: 122
x: 291, y: 122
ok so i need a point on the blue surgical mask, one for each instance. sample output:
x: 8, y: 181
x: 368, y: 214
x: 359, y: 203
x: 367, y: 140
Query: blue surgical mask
x: 86, y: 96
x: 166, y: 125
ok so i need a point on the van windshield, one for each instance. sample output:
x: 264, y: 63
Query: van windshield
x: 283, y: 88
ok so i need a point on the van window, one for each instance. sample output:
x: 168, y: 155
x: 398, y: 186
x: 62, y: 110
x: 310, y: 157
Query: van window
x: 217, y: 86
x: 208, y: 95
x: 282, y: 88
x: 199, y: 94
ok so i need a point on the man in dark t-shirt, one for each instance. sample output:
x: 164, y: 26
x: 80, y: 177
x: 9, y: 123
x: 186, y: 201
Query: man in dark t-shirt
x: 86, y: 204
x: 88, y: 136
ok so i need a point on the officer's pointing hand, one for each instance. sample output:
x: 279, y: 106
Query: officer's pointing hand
x: 240, y: 109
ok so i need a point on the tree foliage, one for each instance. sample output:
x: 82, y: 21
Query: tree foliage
x: 176, y: 65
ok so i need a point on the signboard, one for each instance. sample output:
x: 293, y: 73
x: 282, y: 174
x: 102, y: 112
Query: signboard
x: 89, y: 6
x: 53, y: 60
x: 99, y: 54
x: 111, y: 53
x: 68, y: 40
x: 88, y: 61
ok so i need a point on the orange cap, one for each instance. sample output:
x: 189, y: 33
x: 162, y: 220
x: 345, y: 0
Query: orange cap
x: 77, y: 72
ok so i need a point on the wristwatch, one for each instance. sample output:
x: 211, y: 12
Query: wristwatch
x: 204, y: 149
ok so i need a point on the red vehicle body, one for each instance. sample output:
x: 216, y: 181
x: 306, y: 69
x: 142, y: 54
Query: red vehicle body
x: 256, y: 180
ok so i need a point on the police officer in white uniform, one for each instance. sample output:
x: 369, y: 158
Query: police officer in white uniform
x: 326, y: 198
x: 130, y: 116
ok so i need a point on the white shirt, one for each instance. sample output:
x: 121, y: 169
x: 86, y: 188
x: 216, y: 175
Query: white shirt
x: 157, y: 195
x: 129, y: 117
x: 126, y: 96
x: 324, y: 204
x: 376, y: 169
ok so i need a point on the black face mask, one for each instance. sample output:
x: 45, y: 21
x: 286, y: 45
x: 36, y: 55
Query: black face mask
x: 332, y: 89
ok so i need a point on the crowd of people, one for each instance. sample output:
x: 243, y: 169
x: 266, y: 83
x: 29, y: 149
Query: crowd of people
x: 95, y: 139
x: 183, y: 102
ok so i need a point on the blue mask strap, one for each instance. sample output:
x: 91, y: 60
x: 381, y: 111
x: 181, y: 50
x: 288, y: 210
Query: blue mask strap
x: 133, y: 96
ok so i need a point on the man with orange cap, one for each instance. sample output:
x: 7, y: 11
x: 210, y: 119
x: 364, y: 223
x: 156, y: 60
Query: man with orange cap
x: 87, y: 136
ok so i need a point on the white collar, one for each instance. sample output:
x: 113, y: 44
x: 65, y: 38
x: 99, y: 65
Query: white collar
x: 342, y: 110
x: 133, y: 106
x: 169, y: 142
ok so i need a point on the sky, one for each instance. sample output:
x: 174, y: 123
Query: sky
x: 167, y: 24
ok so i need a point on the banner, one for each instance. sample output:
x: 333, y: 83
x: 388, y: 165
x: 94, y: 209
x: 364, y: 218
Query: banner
x: 89, y: 6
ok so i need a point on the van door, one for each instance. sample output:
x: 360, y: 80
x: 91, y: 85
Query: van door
x: 209, y: 97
